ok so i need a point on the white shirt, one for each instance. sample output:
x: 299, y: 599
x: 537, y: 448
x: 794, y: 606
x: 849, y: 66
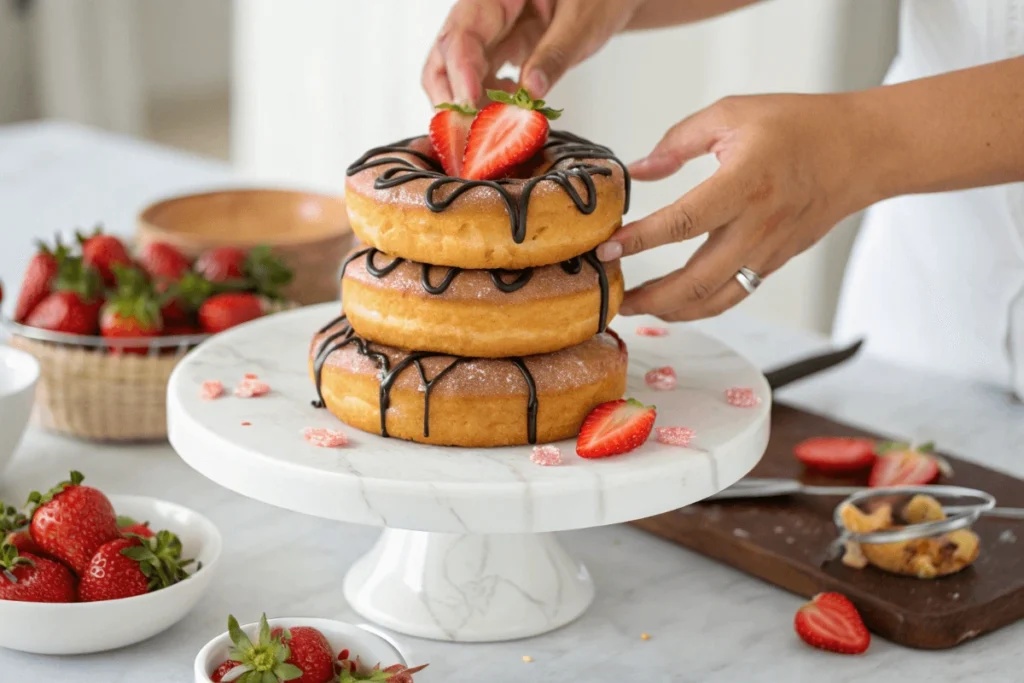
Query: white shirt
x: 937, y: 281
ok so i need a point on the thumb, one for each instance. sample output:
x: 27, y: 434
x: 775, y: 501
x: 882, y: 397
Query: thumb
x: 690, y: 138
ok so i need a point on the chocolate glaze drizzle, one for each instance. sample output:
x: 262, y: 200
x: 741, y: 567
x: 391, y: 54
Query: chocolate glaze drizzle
x: 345, y: 335
x: 565, y: 147
x: 520, y: 278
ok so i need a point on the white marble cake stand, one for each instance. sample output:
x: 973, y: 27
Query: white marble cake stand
x: 466, y: 553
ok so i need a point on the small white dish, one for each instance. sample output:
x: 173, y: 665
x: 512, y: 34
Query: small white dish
x: 86, y: 627
x: 19, y: 374
x: 367, y: 643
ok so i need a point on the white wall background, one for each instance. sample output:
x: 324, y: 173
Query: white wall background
x: 319, y: 81
x: 17, y: 97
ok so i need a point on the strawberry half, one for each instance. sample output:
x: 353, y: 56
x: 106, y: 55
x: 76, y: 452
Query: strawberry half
x: 449, y: 130
x: 506, y: 133
x: 831, y: 622
x: 615, y: 427
x: 836, y: 453
x: 899, y: 464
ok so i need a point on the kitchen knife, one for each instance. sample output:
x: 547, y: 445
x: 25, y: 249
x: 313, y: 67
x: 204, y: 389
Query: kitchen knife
x: 787, y: 374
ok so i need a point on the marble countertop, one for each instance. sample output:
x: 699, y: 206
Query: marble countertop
x: 707, y: 622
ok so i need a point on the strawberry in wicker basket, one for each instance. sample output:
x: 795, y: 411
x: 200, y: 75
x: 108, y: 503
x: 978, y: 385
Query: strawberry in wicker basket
x: 108, y: 329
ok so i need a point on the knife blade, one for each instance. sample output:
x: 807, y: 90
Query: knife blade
x: 787, y: 374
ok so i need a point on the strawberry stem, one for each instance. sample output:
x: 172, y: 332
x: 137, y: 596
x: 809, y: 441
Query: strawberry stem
x: 522, y: 99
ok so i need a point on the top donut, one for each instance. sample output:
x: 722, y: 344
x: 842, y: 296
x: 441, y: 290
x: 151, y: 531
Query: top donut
x: 518, y: 196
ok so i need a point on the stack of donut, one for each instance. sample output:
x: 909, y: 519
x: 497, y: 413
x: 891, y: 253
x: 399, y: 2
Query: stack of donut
x: 476, y: 311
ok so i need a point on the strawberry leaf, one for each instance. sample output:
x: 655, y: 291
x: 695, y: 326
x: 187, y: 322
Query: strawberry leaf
x: 522, y: 99
x: 460, y: 108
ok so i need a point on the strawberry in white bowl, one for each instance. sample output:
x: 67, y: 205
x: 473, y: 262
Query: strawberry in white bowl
x: 66, y: 565
x: 302, y: 650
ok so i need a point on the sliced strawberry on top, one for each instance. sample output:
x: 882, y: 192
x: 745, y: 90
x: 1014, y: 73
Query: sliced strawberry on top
x: 831, y: 622
x: 836, y: 453
x: 902, y: 465
x: 505, y: 134
x: 615, y: 427
x: 449, y: 130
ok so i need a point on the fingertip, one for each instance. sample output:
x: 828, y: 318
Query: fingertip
x: 609, y: 251
x: 654, y: 167
x: 536, y: 83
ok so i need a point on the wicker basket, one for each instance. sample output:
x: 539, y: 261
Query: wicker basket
x: 87, y: 391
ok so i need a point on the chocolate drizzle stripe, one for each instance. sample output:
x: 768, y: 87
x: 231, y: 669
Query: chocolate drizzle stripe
x: 565, y: 148
x: 388, y: 376
x: 520, y: 278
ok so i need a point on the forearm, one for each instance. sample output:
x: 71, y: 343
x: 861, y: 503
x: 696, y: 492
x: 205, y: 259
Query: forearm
x: 660, y: 13
x: 954, y: 131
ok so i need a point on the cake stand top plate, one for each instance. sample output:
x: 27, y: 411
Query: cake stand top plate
x: 256, y: 447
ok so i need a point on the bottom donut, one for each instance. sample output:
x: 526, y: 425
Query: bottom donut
x: 458, y: 401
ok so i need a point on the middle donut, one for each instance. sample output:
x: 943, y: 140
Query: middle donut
x: 483, y: 313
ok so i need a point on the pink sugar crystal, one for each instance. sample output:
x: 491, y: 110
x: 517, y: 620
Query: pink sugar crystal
x: 251, y: 388
x: 661, y: 379
x: 742, y: 397
x: 211, y: 389
x: 325, y: 438
x: 674, y: 436
x: 546, y: 455
x: 251, y: 375
x: 652, y: 331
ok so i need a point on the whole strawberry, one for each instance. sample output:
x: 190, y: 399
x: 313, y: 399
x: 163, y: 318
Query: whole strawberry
x: 257, y: 270
x: 14, y: 526
x: 310, y: 652
x: 73, y: 305
x: 223, y: 311
x: 132, y: 566
x: 127, y: 525
x: 38, y: 280
x: 222, y: 264
x: 266, y: 660
x: 181, y: 300
x: 71, y: 522
x: 163, y: 262
x: 29, y: 578
x: 396, y: 673
x: 103, y: 252
x: 223, y: 670
x: 132, y: 312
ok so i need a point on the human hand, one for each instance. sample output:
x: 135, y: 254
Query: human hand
x: 544, y: 37
x: 790, y: 169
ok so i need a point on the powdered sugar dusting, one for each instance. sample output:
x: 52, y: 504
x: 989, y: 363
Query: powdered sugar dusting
x: 661, y: 379
x: 547, y: 456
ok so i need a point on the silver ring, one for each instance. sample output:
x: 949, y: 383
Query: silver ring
x: 748, y: 279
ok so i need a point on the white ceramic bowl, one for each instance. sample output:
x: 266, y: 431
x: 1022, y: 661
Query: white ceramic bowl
x: 369, y: 644
x: 19, y: 373
x: 84, y: 627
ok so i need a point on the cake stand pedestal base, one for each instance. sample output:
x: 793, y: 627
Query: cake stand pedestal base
x: 468, y: 588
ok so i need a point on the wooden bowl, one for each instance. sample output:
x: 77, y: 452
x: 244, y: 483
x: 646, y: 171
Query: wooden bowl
x: 309, y: 232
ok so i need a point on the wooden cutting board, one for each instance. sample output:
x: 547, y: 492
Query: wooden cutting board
x: 785, y: 541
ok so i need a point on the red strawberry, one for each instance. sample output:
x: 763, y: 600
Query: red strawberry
x: 267, y: 658
x: 449, y: 130
x: 127, y: 525
x: 72, y: 521
x: 836, y: 453
x: 183, y: 298
x: 222, y: 264
x: 22, y: 540
x: 102, y: 252
x: 38, y: 281
x: 127, y: 567
x: 615, y: 427
x: 131, y: 316
x: 900, y: 465
x: 29, y: 578
x: 221, y: 671
x: 73, y: 306
x: 163, y: 262
x: 506, y: 133
x: 831, y: 622
x: 310, y: 652
x: 224, y: 311
x: 14, y: 524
